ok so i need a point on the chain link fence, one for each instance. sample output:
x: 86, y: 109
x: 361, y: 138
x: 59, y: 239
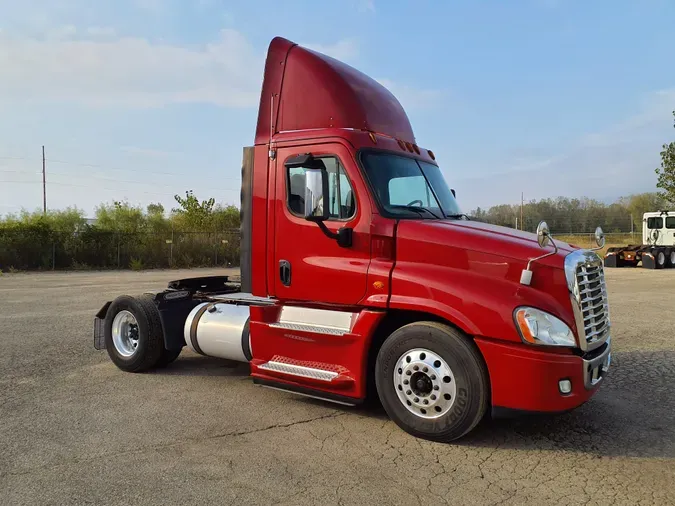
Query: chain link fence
x: 95, y: 249
x: 92, y: 249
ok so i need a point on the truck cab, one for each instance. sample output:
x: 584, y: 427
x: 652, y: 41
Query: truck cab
x: 361, y: 277
x: 658, y: 228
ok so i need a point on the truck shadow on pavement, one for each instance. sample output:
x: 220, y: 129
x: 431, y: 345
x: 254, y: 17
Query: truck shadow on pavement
x: 197, y: 365
x: 632, y: 415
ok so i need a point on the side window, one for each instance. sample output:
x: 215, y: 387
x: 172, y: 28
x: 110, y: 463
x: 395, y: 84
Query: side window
x: 654, y: 222
x: 341, y: 200
x: 670, y: 222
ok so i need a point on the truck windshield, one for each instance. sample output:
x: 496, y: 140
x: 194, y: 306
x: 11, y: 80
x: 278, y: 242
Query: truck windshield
x: 406, y: 187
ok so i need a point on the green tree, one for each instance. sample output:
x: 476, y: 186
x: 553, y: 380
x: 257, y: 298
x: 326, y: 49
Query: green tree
x: 155, y: 209
x: 193, y: 214
x: 666, y: 172
x: 120, y: 217
x: 642, y: 203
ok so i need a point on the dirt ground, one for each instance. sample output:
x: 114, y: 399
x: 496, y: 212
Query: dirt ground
x: 76, y: 430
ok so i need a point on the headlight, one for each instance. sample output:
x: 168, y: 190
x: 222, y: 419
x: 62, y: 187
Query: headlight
x: 541, y: 328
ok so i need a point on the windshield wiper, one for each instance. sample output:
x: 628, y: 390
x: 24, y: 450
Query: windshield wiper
x: 458, y: 216
x: 421, y: 209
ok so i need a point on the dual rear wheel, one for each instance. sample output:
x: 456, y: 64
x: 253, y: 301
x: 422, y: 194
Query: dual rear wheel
x: 133, y: 335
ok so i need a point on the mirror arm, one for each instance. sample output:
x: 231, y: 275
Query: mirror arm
x: 551, y: 253
x: 343, y: 236
x: 324, y: 229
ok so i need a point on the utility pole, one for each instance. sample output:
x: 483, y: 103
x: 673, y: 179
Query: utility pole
x: 521, y: 210
x: 44, y: 183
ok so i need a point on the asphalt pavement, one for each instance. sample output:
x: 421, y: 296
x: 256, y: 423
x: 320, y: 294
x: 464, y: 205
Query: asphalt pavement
x: 76, y: 430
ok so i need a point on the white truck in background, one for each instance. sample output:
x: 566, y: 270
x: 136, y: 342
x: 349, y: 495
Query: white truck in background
x: 657, y: 250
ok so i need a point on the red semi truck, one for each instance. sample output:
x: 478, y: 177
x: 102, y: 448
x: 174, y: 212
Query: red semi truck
x: 360, y: 275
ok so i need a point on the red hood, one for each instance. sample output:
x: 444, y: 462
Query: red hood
x: 485, y: 238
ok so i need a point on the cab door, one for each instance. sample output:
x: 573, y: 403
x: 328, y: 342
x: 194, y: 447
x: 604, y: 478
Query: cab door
x: 309, y: 265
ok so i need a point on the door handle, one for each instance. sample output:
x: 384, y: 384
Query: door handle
x: 285, y: 272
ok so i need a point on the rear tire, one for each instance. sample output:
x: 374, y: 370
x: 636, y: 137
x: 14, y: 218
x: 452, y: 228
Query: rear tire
x: 136, y: 344
x: 670, y: 257
x: 660, y: 258
x: 432, y: 381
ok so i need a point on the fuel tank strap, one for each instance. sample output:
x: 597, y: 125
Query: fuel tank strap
x: 193, y: 328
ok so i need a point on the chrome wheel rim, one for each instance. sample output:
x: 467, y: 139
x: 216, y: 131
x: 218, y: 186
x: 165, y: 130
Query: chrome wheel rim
x: 424, y: 383
x: 672, y: 257
x: 125, y: 333
x: 661, y: 258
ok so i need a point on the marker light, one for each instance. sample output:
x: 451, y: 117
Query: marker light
x: 543, y: 329
x: 565, y: 386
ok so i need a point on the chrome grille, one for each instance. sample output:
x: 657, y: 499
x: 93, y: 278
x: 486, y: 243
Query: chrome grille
x: 588, y: 293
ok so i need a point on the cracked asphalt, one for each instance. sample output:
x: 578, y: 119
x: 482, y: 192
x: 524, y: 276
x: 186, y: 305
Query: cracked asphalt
x: 76, y: 430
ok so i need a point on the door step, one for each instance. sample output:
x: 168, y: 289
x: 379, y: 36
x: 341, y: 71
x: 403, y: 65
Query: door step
x: 298, y: 370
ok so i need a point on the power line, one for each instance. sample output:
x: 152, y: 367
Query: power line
x: 93, y: 165
x: 103, y: 187
x: 112, y: 179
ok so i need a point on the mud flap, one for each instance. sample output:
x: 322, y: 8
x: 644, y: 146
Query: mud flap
x: 648, y: 261
x: 613, y: 260
x: 99, y: 327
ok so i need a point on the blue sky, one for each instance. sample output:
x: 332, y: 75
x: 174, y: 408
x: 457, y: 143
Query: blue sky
x: 142, y: 99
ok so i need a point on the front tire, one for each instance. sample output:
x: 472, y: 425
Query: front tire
x: 133, y: 334
x: 432, y: 381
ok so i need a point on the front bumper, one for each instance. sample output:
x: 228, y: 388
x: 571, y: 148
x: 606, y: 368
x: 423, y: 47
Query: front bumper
x: 525, y: 378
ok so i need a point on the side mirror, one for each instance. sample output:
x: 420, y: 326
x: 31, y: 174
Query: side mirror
x: 544, y: 239
x: 454, y: 194
x: 599, y: 238
x: 543, y: 234
x: 316, y: 195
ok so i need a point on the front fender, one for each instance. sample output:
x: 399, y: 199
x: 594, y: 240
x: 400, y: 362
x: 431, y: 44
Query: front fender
x: 479, y: 301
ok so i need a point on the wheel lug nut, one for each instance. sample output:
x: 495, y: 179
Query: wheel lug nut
x: 435, y: 387
x: 408, y: 373
x: 416, y: 368
x: 425, y: 369
x: 408, y: 392
x: 433, y: 376
x: 425, y: 401
x: 405, y: 382
x: 433, y: 397
x: 416, y: 399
